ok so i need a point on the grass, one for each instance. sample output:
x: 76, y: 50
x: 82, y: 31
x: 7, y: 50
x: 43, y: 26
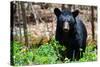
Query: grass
x: 49, y: 53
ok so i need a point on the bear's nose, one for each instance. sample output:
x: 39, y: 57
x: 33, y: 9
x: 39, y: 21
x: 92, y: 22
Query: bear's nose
x: 65, y: 30
x: 66, y: 27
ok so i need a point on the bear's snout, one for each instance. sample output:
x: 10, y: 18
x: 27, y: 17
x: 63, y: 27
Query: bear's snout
x: 66, y: 27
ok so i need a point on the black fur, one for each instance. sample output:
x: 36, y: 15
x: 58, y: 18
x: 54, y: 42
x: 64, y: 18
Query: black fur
x: 75, y: 38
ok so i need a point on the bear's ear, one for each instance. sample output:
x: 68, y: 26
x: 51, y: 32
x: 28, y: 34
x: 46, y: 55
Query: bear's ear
x: 75, y: 13
x: 57, y: 11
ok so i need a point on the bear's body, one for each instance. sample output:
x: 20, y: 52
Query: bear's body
x: 71, y: 32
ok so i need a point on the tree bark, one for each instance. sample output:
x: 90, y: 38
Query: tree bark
x: 63, y: 7
x: 19, y: 16
x: 92, y: 22
x: 24, y: 23
x: 70, y: 7
x: 34, y: 12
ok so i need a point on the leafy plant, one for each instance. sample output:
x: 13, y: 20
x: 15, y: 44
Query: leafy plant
x: 90, y: 54
x: 45, y: 54
x: 49, y: 53
x: 21, y: 56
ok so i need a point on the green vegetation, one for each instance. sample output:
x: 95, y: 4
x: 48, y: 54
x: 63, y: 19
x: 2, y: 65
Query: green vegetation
x: 45, y: 54
x: 22, y: 56
x: 49, y: 53
x: 90, y: 54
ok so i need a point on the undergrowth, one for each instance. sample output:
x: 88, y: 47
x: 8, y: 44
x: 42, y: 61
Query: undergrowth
x: 49, y: 53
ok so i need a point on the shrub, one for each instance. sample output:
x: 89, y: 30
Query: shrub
x: 21, y: 55
x: 90, y: 54
x: 49, y: 53
x: 45, y: 54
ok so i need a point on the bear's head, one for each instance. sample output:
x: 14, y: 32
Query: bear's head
x: 65, y: 19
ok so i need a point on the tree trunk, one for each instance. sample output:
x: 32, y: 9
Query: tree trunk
x: 35, y: 16
x: 19, y: 16
x: 24, y: 23
x: 92, y: 22
x: 70, y: 7
x: 63, y: 7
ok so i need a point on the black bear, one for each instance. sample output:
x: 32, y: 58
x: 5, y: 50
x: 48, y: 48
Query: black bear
x: 71, y: 32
